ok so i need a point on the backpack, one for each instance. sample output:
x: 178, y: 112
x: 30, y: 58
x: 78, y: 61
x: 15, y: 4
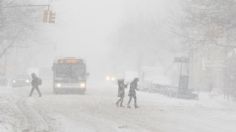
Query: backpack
x: 39, y: 81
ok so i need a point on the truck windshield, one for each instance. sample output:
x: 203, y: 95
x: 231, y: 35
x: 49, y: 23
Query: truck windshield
x: 72, y: 71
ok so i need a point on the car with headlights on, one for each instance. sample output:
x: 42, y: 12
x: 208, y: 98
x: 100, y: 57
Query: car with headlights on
x: 21, y: 80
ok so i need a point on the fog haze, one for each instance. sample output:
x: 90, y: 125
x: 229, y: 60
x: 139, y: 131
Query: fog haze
x: 93, y: 30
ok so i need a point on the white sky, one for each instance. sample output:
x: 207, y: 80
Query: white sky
x: 83, y: 27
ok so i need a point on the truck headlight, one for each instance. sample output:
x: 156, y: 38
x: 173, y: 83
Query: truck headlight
x: 82, y: 85
x: 14, y: 81
x: 58, y: 85
x: 27, y: 81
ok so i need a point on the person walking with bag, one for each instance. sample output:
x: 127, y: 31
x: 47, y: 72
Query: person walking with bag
x: 36, y: 81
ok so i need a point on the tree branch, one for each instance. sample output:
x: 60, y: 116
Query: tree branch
x: 9, y: 46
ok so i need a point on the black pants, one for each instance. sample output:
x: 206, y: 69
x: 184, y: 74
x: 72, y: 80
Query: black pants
x: 135, y: 100
x: 37, y: 89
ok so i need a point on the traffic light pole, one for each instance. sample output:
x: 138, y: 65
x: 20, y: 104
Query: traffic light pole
x: 21, y: 6
x: 48, y: 16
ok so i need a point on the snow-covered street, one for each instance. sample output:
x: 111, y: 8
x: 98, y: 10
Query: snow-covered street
x: 84, y: 61
x: 96, y: 112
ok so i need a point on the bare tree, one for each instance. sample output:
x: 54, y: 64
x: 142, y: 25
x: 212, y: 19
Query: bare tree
x: 16, y: 23
x: 207, y: 29
x: 209, y: 22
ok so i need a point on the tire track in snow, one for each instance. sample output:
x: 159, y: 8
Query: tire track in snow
x: 34, y: 121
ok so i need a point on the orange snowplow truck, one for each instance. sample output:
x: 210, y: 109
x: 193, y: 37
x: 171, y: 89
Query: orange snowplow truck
x: 69, y: 76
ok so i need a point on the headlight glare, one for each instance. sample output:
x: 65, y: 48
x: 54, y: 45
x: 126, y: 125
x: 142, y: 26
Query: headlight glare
x: 58, y: 85
x: 113, y: 78
x: 82, y: 85
x: 108, y: 78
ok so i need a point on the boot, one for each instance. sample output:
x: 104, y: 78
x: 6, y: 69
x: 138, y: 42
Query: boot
x: 117, y: 103
x: 121, y: 105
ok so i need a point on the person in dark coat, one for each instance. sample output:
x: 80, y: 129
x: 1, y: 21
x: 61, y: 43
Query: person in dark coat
x: 132, y: 92
x: 121, y: 92
x: 35, y: 84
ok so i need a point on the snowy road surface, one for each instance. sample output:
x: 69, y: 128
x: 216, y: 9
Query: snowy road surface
x: 96, y: 112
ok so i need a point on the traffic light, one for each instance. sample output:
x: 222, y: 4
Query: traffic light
x: 49, y: 16
x: 45, y: 16
x: 52, y: 17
